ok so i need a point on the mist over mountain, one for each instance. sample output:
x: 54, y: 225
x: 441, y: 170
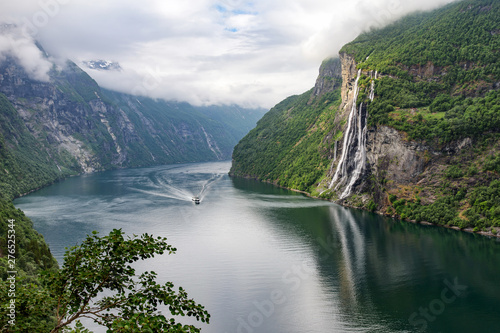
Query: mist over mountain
x: 63, y: 123
x: 205, y: 52
x: 405, y: 122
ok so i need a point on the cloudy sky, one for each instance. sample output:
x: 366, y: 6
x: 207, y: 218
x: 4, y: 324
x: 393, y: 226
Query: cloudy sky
x: 248, y: 52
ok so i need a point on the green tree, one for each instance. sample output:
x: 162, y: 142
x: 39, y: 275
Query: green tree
x: 97, y: 281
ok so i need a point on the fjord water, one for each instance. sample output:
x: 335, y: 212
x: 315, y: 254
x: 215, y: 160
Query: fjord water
x: 264, y: 259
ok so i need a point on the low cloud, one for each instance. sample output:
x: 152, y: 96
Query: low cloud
x: 253, y: 53
x: 22, y: 48
x: 360, y: 16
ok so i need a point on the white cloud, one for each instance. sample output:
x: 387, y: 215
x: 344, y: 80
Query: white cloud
x: 23, y: 49
x: 206, y: 51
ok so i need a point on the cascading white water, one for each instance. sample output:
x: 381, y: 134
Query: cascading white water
x: 340, y: 172
x: 335, y: 152
x: 360, y: 156
x: 334, y: 156
x: 372, y: 88
x: 353, y: 159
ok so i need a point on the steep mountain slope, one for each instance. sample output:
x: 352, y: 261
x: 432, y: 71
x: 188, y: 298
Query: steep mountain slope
x: 290, y: 145
x: 417, y: 131
x: 70, y: 125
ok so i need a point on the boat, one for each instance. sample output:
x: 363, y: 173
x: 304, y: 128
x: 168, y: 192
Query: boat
x: 196, y: 200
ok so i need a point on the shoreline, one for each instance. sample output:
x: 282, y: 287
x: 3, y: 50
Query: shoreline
x: 469, y: 230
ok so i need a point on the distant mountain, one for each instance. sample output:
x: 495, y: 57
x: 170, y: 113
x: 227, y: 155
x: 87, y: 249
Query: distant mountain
x: 102, y: 65
x: 406, y: 122
x: 62, y: 123
x: 69, y: 125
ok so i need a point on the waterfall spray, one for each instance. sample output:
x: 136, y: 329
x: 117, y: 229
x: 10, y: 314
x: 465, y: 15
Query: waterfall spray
x: 372, y: 88
x: 340, y: 172
x: 352, y: 162
x: 334, y: 157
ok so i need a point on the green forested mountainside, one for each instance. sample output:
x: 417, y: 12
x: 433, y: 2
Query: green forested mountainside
x: 438, y: 85
x: 33, y: 305
x: 440, y: 72
x: 288, y: 146
x: 440, y: 80
x: 24, y: 166
x: 24, y: 163
x: 174, y: 132
x: 237, y: 121
x: 464, y: 32
x: 50, y: 130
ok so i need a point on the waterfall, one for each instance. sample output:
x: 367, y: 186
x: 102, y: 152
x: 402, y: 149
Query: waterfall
x: 335, y: 151
x: 334, y: 156
x: 352, y: 161
x: 359, y: 157
x: 347, y: 134
x: 372, y: 88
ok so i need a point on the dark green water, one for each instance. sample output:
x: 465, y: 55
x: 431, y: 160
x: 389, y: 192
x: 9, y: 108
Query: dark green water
x: 263, y: 259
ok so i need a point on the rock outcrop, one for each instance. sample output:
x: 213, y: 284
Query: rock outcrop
x: 328, y: 79
x: 393, y: 164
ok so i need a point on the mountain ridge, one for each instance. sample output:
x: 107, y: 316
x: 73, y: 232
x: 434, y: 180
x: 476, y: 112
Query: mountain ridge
x: 415, y: 134
x: 80, y: 127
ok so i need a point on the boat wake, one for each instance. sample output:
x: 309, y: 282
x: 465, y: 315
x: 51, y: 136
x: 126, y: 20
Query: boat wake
x: 208, y: 184
x: 161, y: 186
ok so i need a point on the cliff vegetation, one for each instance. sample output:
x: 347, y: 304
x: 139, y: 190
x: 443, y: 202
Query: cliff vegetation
x: 423, y: 94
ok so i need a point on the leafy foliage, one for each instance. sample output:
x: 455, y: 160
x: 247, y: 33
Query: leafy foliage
x: 485, y: 205
x: 462, y: 116
x: 442, y: 212
x: 452, y: 35
x: 97, y: 280
x: 33, y: 305
x: 492, y: 163
x: 103, y: 265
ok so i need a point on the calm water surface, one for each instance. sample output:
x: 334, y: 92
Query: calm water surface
x: 263, y: 259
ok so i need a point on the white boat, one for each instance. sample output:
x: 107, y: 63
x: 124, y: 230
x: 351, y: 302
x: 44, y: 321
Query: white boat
x: 196, y: 200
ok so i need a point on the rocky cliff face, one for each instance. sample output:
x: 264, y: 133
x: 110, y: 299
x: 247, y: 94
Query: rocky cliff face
x: 68, y: 115
x: 393, y: 165
x: 78, y: 127
x: 348, y: 171
x: 389, y: 156
x: 408, y: 134
x: 328, y: 79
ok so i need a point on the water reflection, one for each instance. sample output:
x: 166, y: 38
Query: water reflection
x: 264, y: 259
x: 384, y: 275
